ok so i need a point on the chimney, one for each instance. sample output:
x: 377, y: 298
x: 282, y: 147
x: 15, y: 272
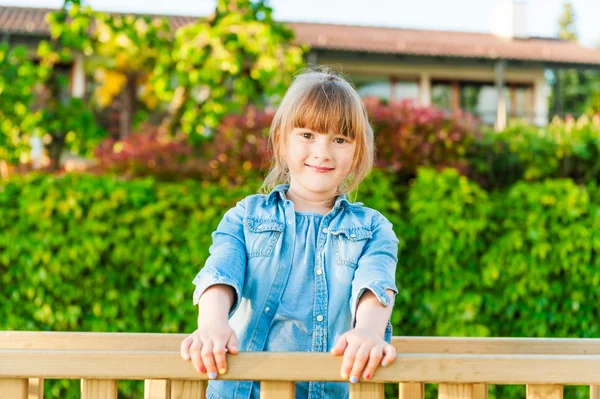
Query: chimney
x: 508, y: 19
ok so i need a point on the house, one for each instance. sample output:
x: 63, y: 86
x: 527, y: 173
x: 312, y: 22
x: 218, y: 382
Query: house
x: 450, y: 70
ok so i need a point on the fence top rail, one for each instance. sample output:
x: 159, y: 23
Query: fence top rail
x: 261, y: 366
x: 171, y: 342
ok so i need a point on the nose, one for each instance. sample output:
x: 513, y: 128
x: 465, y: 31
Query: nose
x: 321, y: 149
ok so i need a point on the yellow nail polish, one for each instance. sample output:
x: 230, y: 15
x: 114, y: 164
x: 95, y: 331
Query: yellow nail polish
x: 222, y: 371
x: 345, y: 376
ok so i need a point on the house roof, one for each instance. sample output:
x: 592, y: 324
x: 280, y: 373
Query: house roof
x: 376, y: 40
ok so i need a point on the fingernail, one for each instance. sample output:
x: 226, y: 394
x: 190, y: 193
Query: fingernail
x: 234, y: 348
x: 367, y: 377
x: 203, y: 369
x: 212, y: 375
x: 345, y: 376
x: 384, y: 364
x: 186, y: 356
x: 353, y: 379
x: 222, y: 371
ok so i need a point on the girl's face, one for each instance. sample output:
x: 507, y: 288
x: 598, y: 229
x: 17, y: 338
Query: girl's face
x: 318, y: 163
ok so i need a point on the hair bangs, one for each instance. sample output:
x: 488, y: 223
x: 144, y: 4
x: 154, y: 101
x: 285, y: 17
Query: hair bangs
x: 325, y: 108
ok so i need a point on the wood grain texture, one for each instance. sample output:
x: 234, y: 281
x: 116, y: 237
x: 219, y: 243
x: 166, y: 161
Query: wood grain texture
x: 455, y: 391
x: 367, y: 390
x: 36, y: 388
x: 411, y: 390
x: 277, y: 390
x: 594, y: 391
x: 171, y: 343
x: 257, y: 366
x: 14, y: 388
x: 549, y: 391
x: 480, y: 391
x: 98, y: 389
x: 187, y: 389
x: 157, y: 389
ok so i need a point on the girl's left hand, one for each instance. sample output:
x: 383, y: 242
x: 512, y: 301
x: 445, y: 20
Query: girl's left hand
x: 363, y: 351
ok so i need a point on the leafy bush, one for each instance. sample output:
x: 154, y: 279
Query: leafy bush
x: 235, y: 154
x: 409, y: 136
x: 563, y: 149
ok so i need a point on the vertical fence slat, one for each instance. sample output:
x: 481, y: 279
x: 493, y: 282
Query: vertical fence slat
x: 535, y: 391
x: 480, y: 391
x: 277, y: 390
x: 594, y: 391
x: 455, y: 391
x: 13, y: 388
x: 98, y: 389
x: 411, y: 390
x: 185, y: 389
x: 367, y: 390
x: 156, y: 389
x: 36, y: 388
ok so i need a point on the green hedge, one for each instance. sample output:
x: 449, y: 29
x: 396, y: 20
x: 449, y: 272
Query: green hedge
x: 85, y: 253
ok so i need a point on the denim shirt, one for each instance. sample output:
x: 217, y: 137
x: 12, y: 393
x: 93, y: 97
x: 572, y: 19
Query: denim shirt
x: 252, y: 251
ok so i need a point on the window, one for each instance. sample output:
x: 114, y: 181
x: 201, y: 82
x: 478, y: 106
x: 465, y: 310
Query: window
x: 386, y: 88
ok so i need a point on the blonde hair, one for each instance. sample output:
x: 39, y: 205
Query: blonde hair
x: 322, y: 101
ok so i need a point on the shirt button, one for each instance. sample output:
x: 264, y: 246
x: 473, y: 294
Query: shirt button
x: 319, y: 318
x: 289, y: 221
x: 260, y: 227
x: 319, y: 272
x: 267, y: 310
x: 353, y: 235
x: 325, y: 230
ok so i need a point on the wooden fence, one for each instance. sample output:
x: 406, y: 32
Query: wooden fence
x: 461, y: 366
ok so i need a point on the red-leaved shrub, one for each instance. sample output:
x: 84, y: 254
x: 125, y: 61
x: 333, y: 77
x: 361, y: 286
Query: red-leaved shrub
x: 408, y: 136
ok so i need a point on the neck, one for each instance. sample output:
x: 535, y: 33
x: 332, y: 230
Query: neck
x: 305, y: 203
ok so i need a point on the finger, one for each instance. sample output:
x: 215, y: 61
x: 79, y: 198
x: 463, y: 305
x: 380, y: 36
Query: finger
x: 219, y: 352
x: 340, y: 345
x: 209, y: 359
x: 195, y: 350
x: 389, y: 355
x: 360, y: 361
x: 375, y: 357
x: 232, y: 344
x: 184, y: 348
x: 349, y: 356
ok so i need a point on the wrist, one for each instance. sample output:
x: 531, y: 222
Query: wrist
x: 368, y: 327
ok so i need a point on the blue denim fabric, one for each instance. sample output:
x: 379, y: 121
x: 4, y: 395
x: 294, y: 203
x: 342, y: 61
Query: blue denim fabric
x: 253, y: 251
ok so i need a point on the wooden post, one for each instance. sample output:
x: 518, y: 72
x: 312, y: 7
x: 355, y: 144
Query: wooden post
x: 277, y: 390
x: 36, y: 388
x: 156, y: 389
x: 544, y: 391
x: 455, y: 391
x: 501, y: 105
x: 13, y: 388
x: 184, y: 389
x: 98, y: 389
x: 367, y: 390
x: 412, y: 390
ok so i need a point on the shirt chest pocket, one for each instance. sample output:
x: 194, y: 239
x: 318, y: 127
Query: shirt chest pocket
x: 349, y: 244
x: 261, y: 236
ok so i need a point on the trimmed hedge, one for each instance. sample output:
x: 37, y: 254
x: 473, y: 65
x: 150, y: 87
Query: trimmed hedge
x: 88, y: 253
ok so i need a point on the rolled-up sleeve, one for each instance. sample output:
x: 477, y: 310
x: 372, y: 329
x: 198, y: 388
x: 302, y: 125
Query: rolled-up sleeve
x: 376, y: 269
x: 226, y: 263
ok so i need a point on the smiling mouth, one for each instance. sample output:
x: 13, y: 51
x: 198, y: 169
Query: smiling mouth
x: 320, y: 169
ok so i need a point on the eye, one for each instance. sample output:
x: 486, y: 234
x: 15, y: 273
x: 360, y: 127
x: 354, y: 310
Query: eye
x: 340, y: 140
x: 307, y: 135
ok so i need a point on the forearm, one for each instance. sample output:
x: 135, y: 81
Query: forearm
x: 371, y: 314
x: 215, y: 303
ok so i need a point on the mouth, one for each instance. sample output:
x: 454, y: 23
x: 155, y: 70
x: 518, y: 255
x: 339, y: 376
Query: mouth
x: 319, y: 169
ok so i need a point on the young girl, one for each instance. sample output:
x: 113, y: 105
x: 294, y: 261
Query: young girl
x: 301, y: 268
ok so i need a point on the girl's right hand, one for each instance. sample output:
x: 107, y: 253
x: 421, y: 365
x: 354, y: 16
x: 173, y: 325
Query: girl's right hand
x: 207, y: 346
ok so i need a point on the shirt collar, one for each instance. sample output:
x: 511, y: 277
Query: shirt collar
x: 281, y: 190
